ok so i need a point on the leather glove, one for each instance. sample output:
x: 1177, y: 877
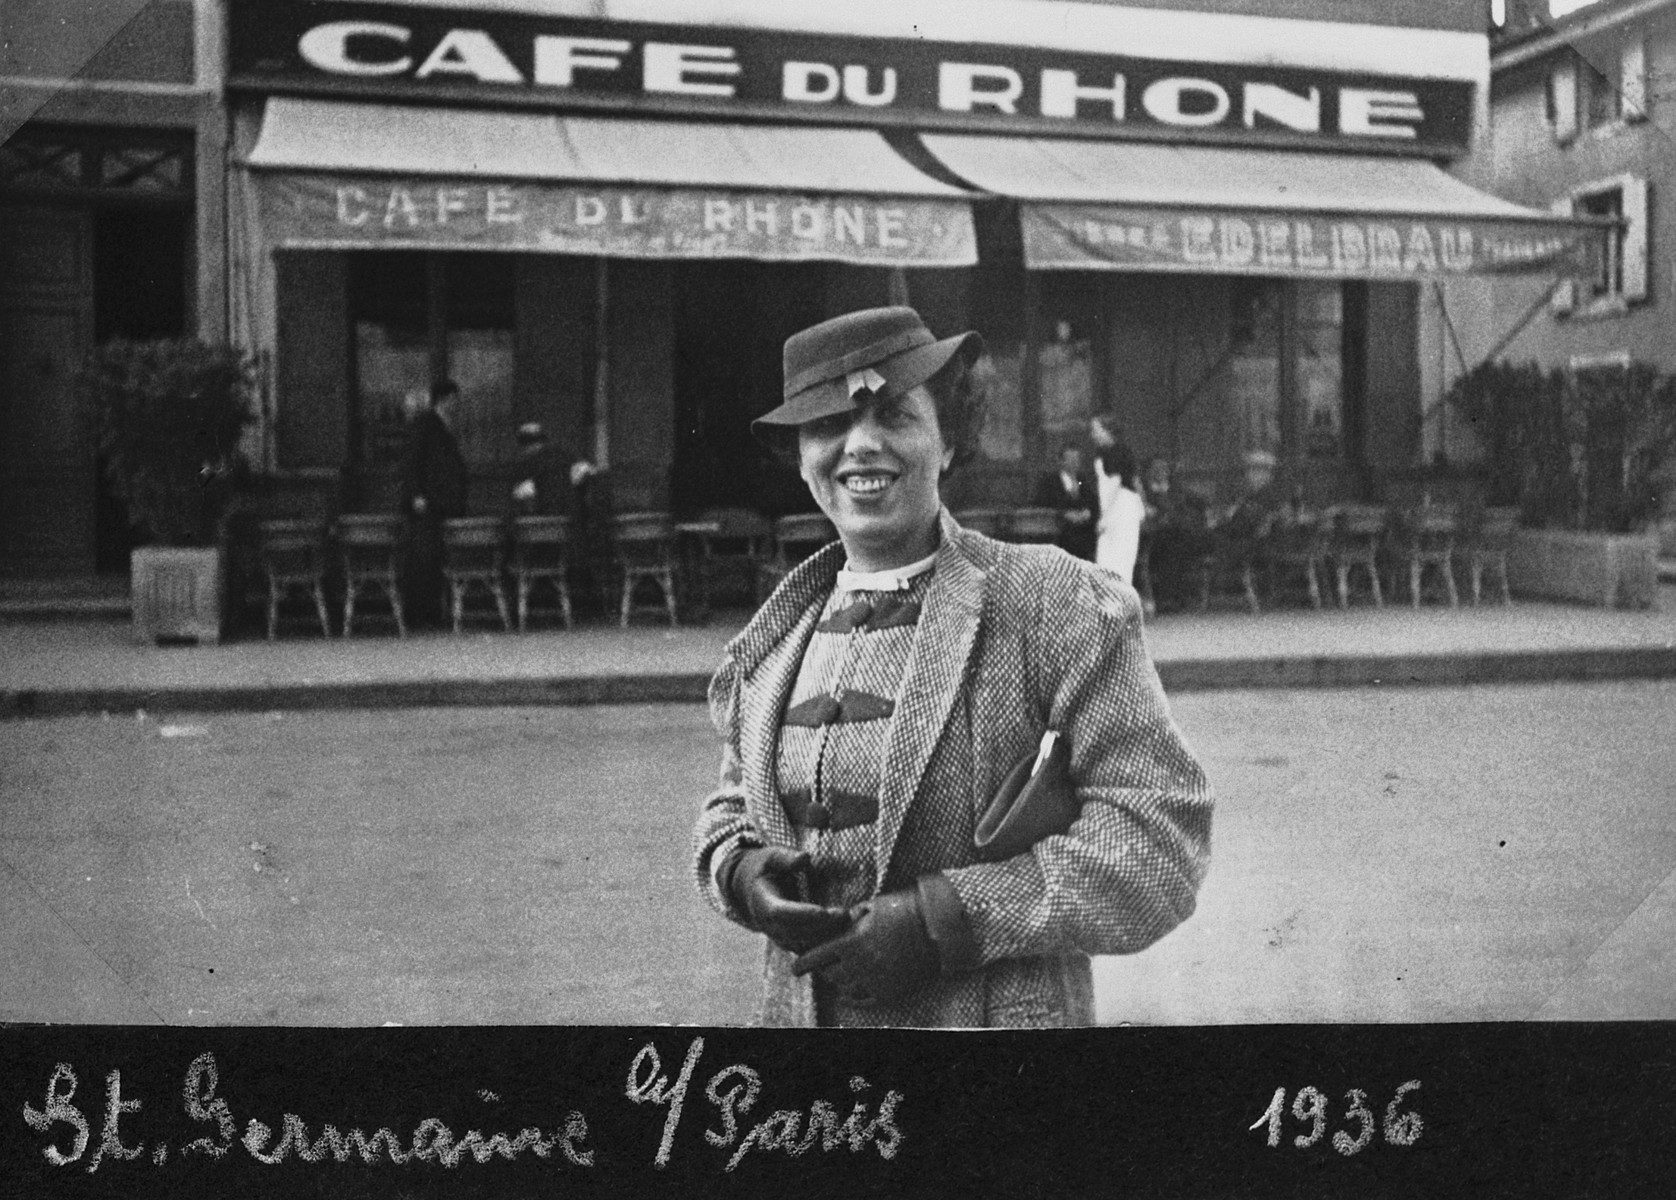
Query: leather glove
x: 763, y: 882
x: 899, y: 941
x: 886, y: 953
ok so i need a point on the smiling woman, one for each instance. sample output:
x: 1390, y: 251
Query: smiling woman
x: 870, y: 441
x: 898, y: 681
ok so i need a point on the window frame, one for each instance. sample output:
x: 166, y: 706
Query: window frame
x: 1628, y: 271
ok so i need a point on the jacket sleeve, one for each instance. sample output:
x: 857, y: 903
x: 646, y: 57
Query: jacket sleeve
x: 1128, y: 869
x: 723, y: 825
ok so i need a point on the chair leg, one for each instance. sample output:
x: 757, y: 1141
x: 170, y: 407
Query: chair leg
x: 1247, y: 578
x: 320, y: 608
x: 523, y: 603
x: 1314, y: 585
x: 1476, y: 570
x: 1449, y: 583
x: 349, y: 607
x: 1501, y: 573
x: 1343, y: 573
x: 668, y: 579
x: 457, y: 600
x: 1373, y: 578
x: 1414, y: 572
x: 500, y: 605
x: 394, y: 591
x: 564, y: 600
x: 273, y: 610
x: 628, y: 595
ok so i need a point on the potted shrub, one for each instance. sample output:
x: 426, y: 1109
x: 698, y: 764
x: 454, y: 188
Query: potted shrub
x: 1580, y: 453
x: 167, y: 416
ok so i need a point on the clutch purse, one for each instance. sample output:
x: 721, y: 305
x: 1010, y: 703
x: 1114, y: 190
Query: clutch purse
x: 1036, y: 800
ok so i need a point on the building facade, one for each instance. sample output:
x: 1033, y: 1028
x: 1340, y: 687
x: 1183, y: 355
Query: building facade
x: 111, y: 163
x: 1231, y: 224
x: 1583, y: 111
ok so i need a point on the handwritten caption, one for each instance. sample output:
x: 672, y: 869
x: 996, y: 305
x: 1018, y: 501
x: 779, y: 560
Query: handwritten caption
x: 1309, y: 1106
x: 733, y: 1093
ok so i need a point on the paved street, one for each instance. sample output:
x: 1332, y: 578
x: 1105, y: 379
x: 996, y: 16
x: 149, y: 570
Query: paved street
x: 1410, y: 854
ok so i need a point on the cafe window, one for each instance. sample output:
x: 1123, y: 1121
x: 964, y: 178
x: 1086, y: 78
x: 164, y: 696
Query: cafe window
x: 1320, y: 368
x: 418, y: 317
x: 1254, y: 360
x: 1069, y: 320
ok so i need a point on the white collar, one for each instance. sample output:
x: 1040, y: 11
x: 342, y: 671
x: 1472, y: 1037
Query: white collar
x: 896, y: 579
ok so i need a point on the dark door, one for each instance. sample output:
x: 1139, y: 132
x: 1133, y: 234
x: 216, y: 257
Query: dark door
x: 47, y: 476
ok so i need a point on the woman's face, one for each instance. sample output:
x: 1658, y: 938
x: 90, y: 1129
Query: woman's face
x: 874, y: 473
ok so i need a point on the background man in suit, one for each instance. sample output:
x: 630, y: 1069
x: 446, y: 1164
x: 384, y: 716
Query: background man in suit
x: 1071, y: 490
x: 549, y: 479
x: 433, y: 488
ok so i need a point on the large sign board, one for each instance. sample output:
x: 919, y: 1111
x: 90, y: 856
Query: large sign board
x: 341, y: 211
x: 451, y: 55
x: 1082, y: 236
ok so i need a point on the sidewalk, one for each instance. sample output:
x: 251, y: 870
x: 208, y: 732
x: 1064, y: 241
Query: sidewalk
x: 51, y: 668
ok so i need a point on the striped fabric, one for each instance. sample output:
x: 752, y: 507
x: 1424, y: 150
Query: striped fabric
x: 1012, y: 640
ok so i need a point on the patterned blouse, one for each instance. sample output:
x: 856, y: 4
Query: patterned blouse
x: 832, y: 738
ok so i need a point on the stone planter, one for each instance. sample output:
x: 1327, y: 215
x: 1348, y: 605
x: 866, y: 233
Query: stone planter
x: 177, y: 593
x: 1610, y: 569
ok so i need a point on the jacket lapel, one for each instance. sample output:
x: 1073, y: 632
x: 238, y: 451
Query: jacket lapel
x: 768, y: 652
x: 935, y: 672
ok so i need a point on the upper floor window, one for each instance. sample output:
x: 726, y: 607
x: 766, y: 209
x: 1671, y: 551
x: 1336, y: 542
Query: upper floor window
x: 1599, y: 85
x: 1602, y: 102
x: 1609, y: 274
x: 1621, y: 274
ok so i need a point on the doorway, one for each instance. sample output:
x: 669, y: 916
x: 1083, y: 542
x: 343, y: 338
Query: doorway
x: 732, y: 319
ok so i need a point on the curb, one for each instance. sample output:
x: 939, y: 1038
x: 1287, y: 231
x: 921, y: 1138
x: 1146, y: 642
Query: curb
x: 1427, y: 670
x: 1433, y: 670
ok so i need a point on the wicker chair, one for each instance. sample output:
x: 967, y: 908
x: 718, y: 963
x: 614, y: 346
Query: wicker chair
x: 292, y: 554
x: 1485, y: 543
x: 1229, y: 558
x: 1357, y: 540
x: 474, y: 556
x: 1429, y: 541
x: 796, y: 537
x: 541, y: 554
x: 643, y: 544
x: 1033, y: 525
x: 1297, y: 549
x: 370, y: 549
x: 994, y: 522
x: 735, y: 550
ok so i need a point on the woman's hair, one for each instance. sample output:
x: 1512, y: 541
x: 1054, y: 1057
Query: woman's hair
x: 959, y: 394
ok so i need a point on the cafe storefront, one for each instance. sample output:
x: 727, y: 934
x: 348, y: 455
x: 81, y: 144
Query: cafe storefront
x: 607, y: 217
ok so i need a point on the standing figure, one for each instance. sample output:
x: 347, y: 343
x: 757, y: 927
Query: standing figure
x: 1072, y: 491
x: 1121, y: 508
x: 902, y: 681
x: 434, y: 484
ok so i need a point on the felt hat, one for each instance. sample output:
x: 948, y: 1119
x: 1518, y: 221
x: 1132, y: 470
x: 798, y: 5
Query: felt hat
x: 839, y: 365
x: 1261, y: 458
x: 531, y: 433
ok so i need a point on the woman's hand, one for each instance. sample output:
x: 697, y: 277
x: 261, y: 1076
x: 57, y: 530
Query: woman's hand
x: 764, y: 881
x: 885, y: 955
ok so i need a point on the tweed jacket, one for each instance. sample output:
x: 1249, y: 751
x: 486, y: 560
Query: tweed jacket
x: 1013, y: 640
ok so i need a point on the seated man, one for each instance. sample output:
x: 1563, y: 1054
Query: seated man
x: 1178, y: 535
x: 548, y: 478
x: 1072, y: 492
